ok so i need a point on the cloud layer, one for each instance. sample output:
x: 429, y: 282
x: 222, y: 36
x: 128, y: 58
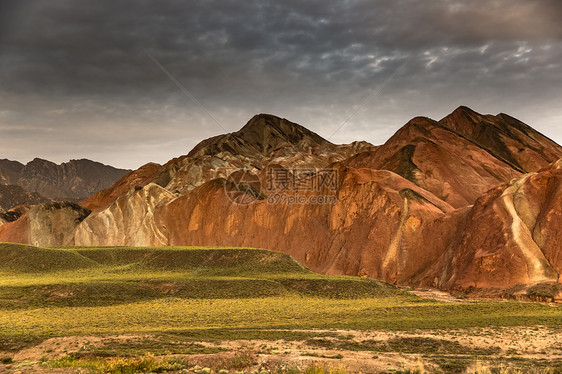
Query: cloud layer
x: 102, y: 79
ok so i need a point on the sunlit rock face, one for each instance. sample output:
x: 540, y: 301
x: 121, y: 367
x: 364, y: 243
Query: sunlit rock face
x: 510, y: 236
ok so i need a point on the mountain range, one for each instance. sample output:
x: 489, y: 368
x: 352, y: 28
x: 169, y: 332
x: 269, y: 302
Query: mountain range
x: 41, y: 181
x: 471, y: 203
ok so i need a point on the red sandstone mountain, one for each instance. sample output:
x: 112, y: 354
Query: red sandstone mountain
x: 471, y: 202
x: 462, y: 156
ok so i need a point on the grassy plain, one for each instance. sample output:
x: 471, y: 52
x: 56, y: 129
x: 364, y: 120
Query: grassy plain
x: 190, y: 295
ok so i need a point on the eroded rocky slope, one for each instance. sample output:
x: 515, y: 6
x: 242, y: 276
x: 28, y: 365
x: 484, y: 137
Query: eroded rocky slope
x: 512, y: 235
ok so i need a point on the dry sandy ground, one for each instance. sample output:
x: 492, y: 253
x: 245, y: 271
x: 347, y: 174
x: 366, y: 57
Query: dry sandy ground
x: 437, y: 295
x: 525, y: 343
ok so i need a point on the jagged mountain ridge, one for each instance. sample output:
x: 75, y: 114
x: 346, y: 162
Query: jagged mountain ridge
x: 404, y: 210
x: 463, y: 155
x: 73, y: 180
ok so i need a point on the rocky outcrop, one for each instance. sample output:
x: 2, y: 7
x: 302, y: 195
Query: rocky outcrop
x: 16, y: 231
x: 73, y: 180
x: 13, y: 214
x: 51, y: 223
x: 45, y: 225
x: 127, y: 221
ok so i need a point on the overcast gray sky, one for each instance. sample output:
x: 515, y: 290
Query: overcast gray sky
x: 77, y: 79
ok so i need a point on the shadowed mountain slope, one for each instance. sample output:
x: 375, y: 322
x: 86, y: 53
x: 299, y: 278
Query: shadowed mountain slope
x: 12, y: 196
x: 71, y: 180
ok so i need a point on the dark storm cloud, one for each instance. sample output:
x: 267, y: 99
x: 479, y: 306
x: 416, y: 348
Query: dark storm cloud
x: 76, y: 79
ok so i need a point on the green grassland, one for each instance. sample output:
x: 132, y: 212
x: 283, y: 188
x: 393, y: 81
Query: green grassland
x: 213, y: 293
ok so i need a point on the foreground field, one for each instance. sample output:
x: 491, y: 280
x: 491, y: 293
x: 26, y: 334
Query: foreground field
x: 240, y: 309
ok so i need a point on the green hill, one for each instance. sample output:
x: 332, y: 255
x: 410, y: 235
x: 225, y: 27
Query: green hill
x: 18, y: 258
x: 212, y: 293
x: 36, y: 277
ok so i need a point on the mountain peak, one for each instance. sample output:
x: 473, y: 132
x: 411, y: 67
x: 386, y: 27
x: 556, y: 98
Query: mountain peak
x: 261, y: 120
x: 40, y: 161
x: 465, y: 109
x: 266, y: 127
x: 463, y: 114
x: 263, y: 133
x: 505, y: 137
x: 421, y: 120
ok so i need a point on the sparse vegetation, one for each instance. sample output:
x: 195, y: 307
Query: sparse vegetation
x: 119, y: 365
x: 171, y: 299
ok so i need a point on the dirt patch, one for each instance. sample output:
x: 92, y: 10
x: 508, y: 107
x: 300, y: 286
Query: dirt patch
x: 461, y: 350
x: 167, y: 288
x: 438, y: 295
x: 59, y: 347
